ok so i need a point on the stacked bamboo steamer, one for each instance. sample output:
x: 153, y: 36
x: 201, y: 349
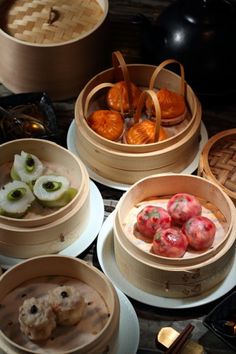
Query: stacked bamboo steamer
x: 46, y: 230
x: 50, y: 45
x: 124, y: 163
x: 195, y: 273
x: 96, y: 332
x: 218, y: 161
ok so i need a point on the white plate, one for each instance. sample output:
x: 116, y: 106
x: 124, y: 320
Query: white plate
x: 71, y: 139
x: 85, y: 239
x: 128, y: 339
x: 106, y: 257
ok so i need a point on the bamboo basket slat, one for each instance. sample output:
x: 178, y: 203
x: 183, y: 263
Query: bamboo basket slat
x: 128, y: 163
x: 217, y: 161
x: 50, y: 270
x: 51, y: 231
x: 193, y: 274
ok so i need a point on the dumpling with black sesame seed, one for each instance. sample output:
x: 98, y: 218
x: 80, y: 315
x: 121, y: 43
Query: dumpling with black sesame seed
x: 68, y: 304
x: 37, y: 319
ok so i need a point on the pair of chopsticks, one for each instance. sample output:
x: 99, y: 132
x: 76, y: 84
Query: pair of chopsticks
x: 180, y: 340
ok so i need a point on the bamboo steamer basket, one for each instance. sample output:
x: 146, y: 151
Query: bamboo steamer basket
x: 217, y: 161
x: 49, y: 44
x: 128, y: 163
x: 97, y: 330
x: 197, y: 272
x: 45, y: 230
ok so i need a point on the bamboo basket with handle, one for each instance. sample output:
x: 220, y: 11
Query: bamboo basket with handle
x: 217, y: 161
x: 97, y: 331
x: 128, y: 163
x: 196, y: 272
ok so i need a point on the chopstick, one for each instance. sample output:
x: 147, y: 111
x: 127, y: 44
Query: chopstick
x: 180, y: 340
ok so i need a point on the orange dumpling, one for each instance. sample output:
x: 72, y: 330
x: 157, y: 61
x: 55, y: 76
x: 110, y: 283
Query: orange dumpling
x: 117, y: 96
x: 143, y: 133
x: 108, y: 124
x: 172, y: 103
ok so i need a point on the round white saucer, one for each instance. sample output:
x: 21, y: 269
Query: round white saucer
x: 129, y: 325
x: 85, y: 239
x: 71, y: 139
x: 106, y: 258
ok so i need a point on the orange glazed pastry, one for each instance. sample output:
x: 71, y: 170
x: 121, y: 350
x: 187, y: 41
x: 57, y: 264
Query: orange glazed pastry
x: 108, y: 124
x: 172, y: 104
x: 143, y: 133
x: 117, y: 97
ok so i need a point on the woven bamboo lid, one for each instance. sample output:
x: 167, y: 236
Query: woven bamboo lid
x: 218, y: 161
x: 50, y: 21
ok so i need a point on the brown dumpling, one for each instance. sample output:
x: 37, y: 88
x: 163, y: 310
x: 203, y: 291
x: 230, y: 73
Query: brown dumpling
x: 108, y: 124
x: 143, y: 133
x: 117, y: 97
x: 172, y: 104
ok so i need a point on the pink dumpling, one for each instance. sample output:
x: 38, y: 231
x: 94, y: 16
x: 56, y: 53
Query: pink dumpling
x: 183, y: 206
x: 170, y: 242
x: 150, y: 218
x: 200, y: 232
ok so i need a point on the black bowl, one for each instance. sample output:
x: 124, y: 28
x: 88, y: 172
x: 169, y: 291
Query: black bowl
x: 27, y: 115
x: 219, y: 320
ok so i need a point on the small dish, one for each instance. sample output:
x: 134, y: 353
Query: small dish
x: 221, y: 319
x: 27, y: 115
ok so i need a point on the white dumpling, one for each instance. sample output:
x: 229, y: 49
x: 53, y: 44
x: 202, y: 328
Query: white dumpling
x: 26, y: 167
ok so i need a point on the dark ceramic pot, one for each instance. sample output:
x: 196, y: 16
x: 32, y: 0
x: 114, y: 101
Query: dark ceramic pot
x: 201, y: 34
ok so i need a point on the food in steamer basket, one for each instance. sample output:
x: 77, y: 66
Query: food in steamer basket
x: 29, y: 184
x: 170, y: 242
x: 177, y: 229
x: 68, y: 305
x: 200, y: 232
x: 117, y: 97
x: 61, y: 306
x: 37, y: 319
x: 151, y: 218
x: 183, y: 206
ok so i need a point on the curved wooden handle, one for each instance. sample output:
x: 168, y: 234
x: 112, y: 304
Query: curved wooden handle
x: 161, y: 66
x: 118, y: 62
x: 92, y: 93
x: 157, y: 110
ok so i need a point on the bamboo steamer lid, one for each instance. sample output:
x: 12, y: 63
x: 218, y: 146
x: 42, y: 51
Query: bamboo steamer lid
x: 46, y: 35
x: 40, y: 274
x: 196, y: 272
x: 218, y: 161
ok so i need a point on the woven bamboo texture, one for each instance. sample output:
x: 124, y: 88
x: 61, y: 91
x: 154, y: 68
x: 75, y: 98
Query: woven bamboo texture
x: 47, y: 21
x: 218, y: 161
x: 222, y: 160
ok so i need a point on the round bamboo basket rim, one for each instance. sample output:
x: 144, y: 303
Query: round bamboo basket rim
x: 75, y: 200
x: 79, y: 112
x: 113, y: 296
x: 125, y: 154
x: 52, y: 45
x: 154, y: 259
x: 204, y: 162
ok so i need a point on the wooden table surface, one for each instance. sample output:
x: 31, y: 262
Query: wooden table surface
x: 219, y: 113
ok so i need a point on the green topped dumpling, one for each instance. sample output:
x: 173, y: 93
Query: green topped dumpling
x: 15, y: 199
x: 53, y: 191
x: 26, y: 167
